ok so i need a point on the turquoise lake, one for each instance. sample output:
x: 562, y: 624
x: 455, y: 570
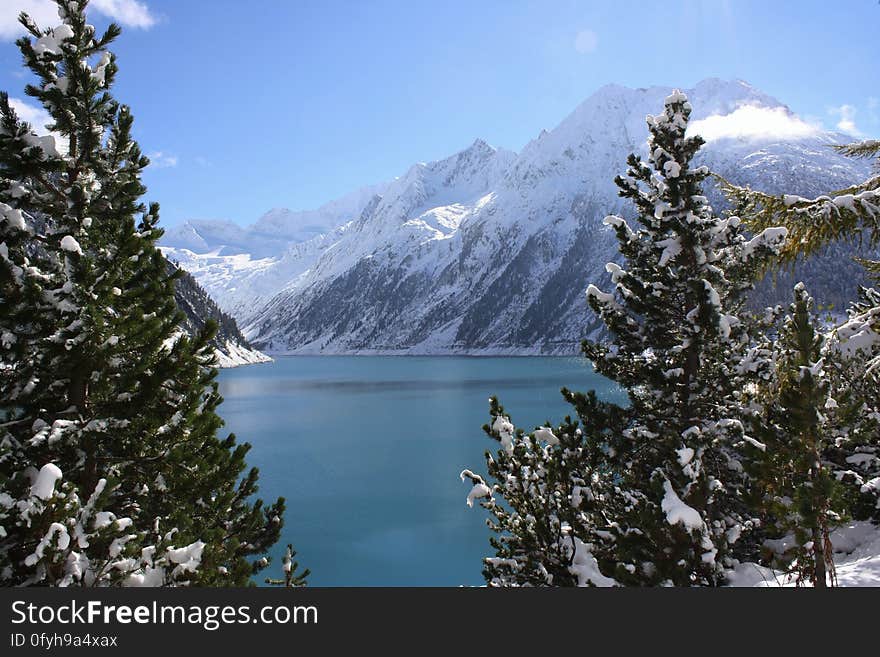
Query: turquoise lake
x: 368, y: 450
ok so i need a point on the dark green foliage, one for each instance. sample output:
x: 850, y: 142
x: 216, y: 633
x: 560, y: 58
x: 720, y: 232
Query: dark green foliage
x: 853, y: 348
x: 552, y: 483
x: 98, y: 379
x: 794, y: 421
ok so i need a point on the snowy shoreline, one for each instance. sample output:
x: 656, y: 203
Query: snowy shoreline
x: 488, y: 352
x: 236, y: 355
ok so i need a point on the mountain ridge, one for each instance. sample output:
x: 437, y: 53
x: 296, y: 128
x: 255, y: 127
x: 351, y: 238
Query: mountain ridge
x: 488, y: 251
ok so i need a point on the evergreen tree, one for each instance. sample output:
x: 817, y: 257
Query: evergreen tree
x: 795, y: 419
x: 852, y: 353
x: 553, y: 519
x: 664, y: 479
x: 98, y: 387
x: 678, y: 348
x: 852, y: 349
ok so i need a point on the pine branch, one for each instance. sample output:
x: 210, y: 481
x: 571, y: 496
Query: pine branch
x: 851, y: 214
x: 866, y: 148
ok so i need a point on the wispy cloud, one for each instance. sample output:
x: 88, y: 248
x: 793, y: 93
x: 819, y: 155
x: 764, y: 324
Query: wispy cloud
x: 160, y: 160
x: 131, y: 13
x: 754, y: 122
x: 586, y: 42
x: 847, y: 119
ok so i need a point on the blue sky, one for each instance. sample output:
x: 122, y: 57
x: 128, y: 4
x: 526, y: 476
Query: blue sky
x: 290, y: 103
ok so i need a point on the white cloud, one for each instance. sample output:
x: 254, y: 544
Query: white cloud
x: 754, y: 122
x: 586, y: 41
x: 160, y: 160
x: 847, y: 122
x: 42, y: 11
x: 35, y: 115
x: 127, y: 12
x: 132, y: 13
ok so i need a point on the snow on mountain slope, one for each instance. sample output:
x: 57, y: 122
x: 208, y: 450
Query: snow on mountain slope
x: 489, y: 251
x: 242, y: 283
x: 230, y: 346
x: 242, y: 267
x: 272, y: 233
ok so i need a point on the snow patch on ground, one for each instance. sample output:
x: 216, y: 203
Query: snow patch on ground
x: 856, y: 560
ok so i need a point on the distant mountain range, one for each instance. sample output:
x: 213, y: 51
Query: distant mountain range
x: 489, y: 251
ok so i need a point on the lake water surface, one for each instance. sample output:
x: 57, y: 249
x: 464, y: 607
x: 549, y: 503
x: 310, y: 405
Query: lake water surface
x: 368, y: 450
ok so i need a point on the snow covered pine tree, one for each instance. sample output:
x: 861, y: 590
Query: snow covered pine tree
x: 650, y: 494
x: 852, y: 349
x: 794, y: 422
x: 111, y: 469
x: 555, y: 484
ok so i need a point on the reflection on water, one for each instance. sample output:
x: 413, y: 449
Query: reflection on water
x: 367, y: 452
x: 274, y: 386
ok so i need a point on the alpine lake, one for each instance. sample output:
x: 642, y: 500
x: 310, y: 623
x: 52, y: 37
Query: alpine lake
x: 367, y: 451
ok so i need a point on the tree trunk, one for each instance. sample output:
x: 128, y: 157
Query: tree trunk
x: 820, y: 579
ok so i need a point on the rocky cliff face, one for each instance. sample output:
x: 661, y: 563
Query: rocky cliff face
x: 231, y: 346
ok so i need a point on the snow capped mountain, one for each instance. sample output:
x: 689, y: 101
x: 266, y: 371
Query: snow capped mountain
x: 272, y: 233
x: 488, y: 251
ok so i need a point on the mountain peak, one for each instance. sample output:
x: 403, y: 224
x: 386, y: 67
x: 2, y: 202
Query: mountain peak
x: 716, y: 96
x: 715, y: 92
x: 274, y: 213
x: 615, y: 108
